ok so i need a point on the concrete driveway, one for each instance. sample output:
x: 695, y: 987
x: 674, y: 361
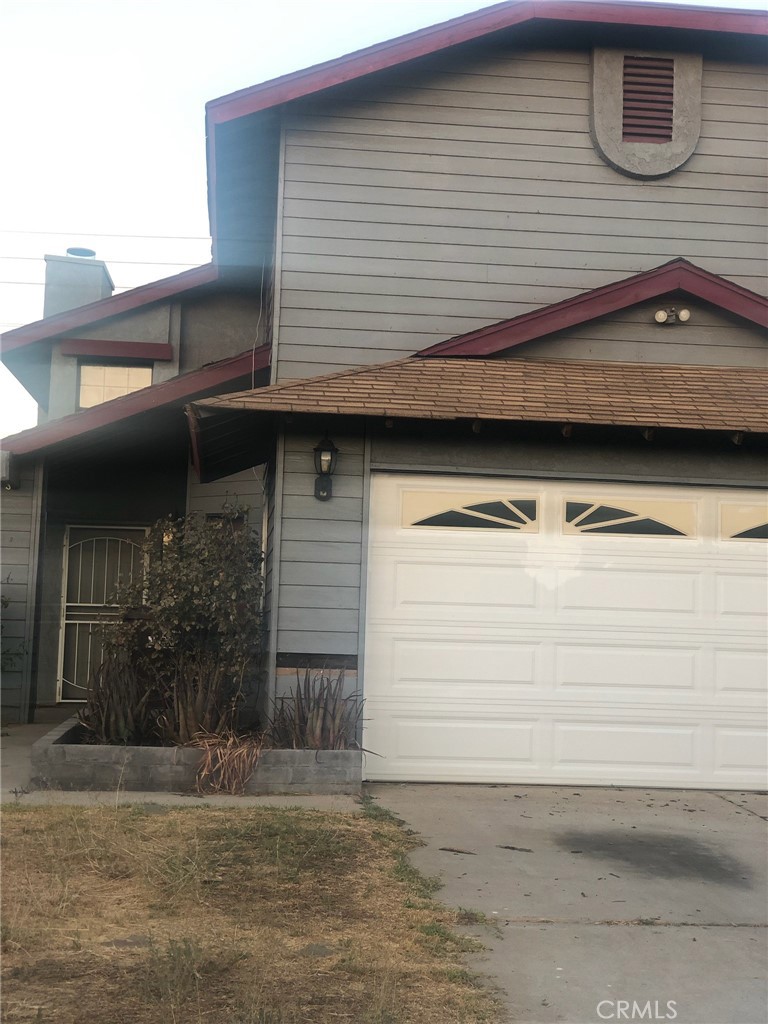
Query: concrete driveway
x: 605, y: 897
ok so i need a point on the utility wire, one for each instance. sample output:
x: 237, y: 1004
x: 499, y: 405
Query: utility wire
x: 41, y: 284
x: 132, y: 263
x: 95, y: 234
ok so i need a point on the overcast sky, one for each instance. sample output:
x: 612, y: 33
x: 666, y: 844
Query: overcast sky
x: 104, y: 142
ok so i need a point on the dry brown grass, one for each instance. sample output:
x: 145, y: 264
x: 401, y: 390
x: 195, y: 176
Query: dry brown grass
x: 256, y: 916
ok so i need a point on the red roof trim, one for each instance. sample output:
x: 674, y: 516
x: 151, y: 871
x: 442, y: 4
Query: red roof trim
x: 170, y: 392
x: 117, y: 349
x: 472, y: 26
x: 82, y: 316
x: 679, y: 275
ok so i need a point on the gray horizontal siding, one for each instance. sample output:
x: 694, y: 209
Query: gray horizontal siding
x: 245, y: 489
x: 332, y: 553
x: 304, y: 641
x: 312, y: 578
x: 479, y: 185
x: 709, y: 338
x: 305, y: 596
x: 320, y: 549
x: 20, y: 525
x: 459, y: 161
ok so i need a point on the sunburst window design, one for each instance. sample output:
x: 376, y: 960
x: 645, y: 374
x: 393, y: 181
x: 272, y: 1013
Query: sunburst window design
x: 743, y: 521
x: 755, y: 533
x: 584, y: 517
x: 499, y: 514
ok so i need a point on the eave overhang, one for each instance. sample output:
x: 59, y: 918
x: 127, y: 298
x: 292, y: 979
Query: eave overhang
x: 645, y: 395
x: 94, y: 312
x: 473, y: 26
x: 120, y: 414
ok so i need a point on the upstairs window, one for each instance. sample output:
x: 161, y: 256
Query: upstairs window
x: 648, y: 99
x: 101, y: 382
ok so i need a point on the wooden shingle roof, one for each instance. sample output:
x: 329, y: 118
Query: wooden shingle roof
x: 563, y: 391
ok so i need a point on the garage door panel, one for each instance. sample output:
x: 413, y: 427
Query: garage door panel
x: 740, y: 750
x: 457, y: 589
x: 477, y: 665
x: 445, y: 742
x: 742, y: 596
x: 741, y: 671
x: 602, y: 746
x: 560, y: 657
x: 484, y: 667
x: 639, y: 668
x: 619, y: 592
x: 470, y: 671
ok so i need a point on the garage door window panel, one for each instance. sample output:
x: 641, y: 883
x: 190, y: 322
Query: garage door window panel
x: 497, y: 513
x: 644, y: 519
x: 743, y: 522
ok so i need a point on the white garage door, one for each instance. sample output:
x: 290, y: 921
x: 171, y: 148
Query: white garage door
x: 522, y: 631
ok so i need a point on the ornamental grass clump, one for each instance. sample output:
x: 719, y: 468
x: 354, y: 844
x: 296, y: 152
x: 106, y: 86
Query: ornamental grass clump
x: 317, y: 715
x: 183, y: 647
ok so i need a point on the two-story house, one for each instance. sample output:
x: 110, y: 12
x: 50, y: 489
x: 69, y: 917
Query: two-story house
x: 505, y: 278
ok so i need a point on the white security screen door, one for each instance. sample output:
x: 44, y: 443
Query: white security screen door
x: 95, y: 561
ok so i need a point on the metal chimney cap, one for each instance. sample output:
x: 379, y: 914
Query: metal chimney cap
x: 76, y: 250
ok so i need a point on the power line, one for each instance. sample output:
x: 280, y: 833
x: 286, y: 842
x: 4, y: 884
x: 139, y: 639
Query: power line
x: 132, y: 263
x: 95, y: 234
x: 41, y: 284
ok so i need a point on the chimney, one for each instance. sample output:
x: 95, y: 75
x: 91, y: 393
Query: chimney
x: 74, y: 280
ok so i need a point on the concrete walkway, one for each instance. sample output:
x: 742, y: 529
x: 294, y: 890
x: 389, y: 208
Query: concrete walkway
x: 605, y: 895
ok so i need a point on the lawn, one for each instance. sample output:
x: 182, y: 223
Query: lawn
x: 150, y: 914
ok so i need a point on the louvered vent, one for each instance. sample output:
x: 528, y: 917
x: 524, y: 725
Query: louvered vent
x: 649, y: 84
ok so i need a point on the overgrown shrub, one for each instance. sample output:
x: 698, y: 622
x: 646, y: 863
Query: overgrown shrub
x: 317, y: 715
x: 184, y: 645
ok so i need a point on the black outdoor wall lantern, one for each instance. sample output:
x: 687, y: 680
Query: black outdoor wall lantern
x: 326, y: 453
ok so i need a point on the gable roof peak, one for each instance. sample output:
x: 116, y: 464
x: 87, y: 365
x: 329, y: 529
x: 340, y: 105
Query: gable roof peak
x: 473, y: 26
x: 677, y: 275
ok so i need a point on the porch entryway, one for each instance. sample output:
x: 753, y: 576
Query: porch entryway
x: 96, y: 560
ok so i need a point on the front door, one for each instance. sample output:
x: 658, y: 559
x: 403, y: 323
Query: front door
x: 96, y: 560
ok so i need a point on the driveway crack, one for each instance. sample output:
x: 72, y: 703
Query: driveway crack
x: 742, y: 807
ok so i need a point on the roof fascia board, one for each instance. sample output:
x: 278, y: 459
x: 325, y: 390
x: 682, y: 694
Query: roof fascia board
x: 91, y: 347
x: 469, y: 27
x: 679, y: 275
x: 82, y: 316
x: 170, y: 392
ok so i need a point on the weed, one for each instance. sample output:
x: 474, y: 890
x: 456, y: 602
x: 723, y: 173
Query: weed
x: 424, y: 886
x: 374, y: 811
x: 466, y: 916
x: 462, y: 976
x: 250, y: 1014
x: 172, y: 975
x: 444, y: 939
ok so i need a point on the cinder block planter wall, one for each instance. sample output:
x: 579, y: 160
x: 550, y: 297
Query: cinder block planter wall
x: 60, y: 762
